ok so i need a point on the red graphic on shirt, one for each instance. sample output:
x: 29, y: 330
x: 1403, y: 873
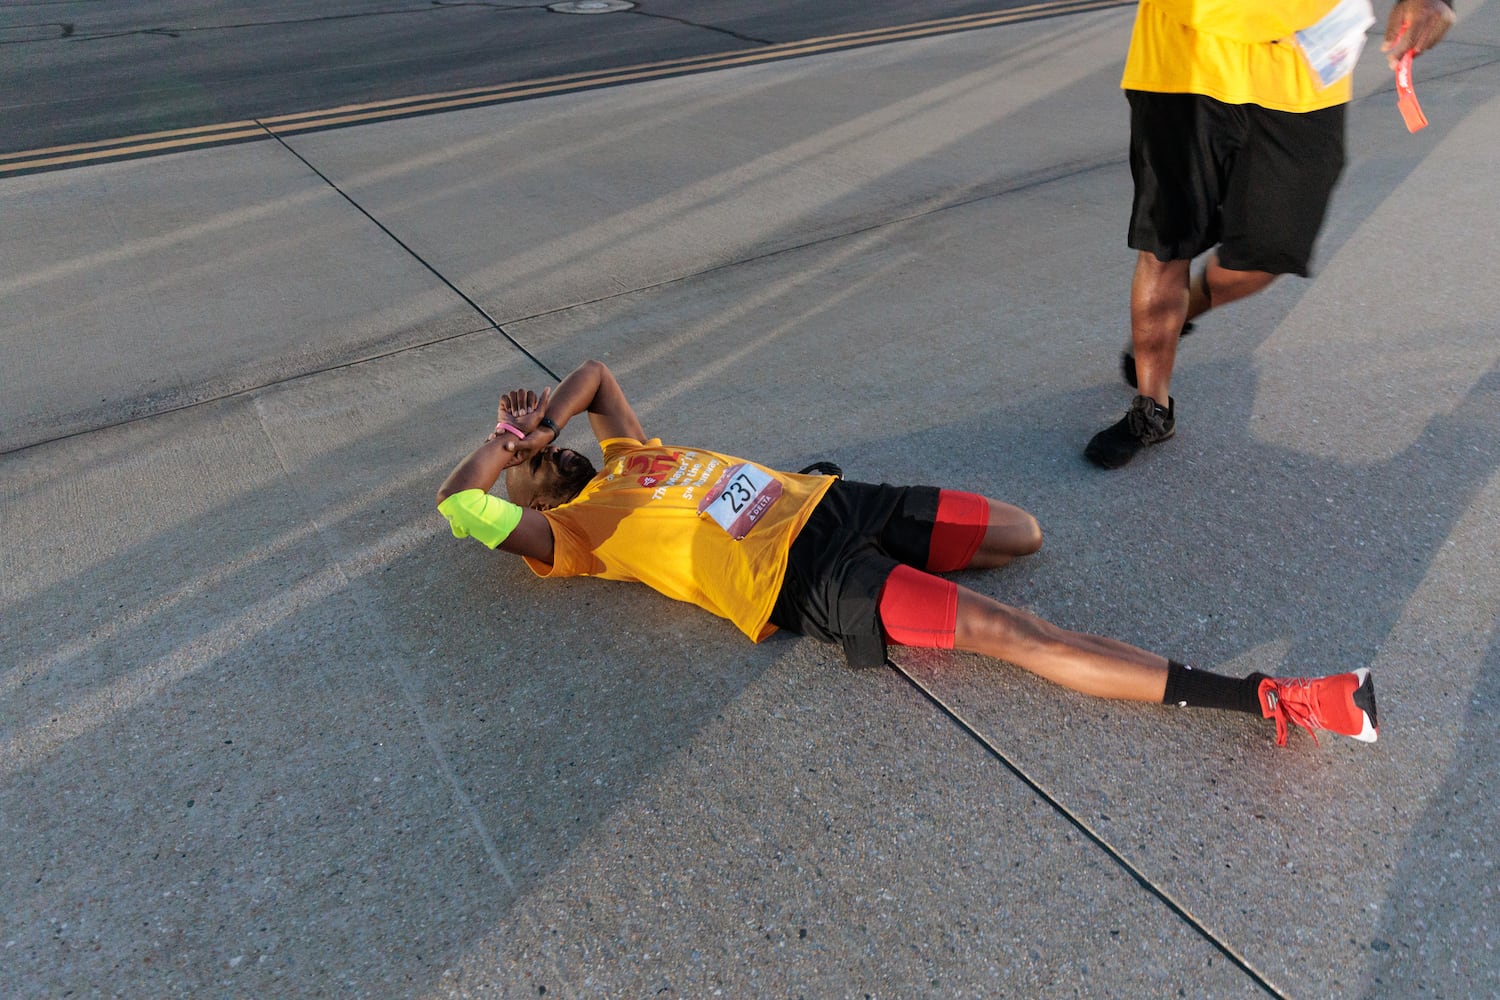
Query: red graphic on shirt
x: 652, y: 467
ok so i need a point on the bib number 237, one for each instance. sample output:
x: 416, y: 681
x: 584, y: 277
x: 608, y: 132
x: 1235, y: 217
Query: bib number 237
x: 740, y: 498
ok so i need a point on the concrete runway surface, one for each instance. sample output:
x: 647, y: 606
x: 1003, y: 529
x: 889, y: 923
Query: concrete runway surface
x: 266, y: 729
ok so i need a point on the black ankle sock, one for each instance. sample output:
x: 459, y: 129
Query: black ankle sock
x: 1191, y: 688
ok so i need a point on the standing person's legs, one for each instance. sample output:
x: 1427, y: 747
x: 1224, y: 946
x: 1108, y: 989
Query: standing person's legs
x: 1216, y: 285
x: 1155, y: 289
x: 1273, y: 175
x: 1275, y: 200
x: 1180, y: 149
x: 1163, y: 302
x: 1158, y: 310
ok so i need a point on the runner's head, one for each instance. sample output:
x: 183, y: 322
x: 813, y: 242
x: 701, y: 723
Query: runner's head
x: 552, y: 477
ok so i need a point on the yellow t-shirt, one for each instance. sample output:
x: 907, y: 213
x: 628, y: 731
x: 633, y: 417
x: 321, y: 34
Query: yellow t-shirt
x: 638, y: 520
x: 1235, y: 51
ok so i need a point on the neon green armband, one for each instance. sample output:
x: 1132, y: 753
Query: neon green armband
x: 475, y: 514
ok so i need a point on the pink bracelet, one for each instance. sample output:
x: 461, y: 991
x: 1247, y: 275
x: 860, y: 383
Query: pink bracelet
x: 503, y: 427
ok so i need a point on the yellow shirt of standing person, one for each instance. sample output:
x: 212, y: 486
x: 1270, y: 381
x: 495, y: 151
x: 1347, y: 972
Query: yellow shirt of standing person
x: 1234, y: 51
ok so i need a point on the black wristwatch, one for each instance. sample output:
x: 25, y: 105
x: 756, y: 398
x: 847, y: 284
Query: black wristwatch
x: 547, y: 423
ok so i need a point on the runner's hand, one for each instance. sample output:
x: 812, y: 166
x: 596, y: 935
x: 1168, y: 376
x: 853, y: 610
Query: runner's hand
x: 1415, y: 25
x: 524, y: 409
x: 517, y: 403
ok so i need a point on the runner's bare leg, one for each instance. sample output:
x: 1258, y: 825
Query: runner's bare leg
x: 1012, y: 532
x: 1091, y: 664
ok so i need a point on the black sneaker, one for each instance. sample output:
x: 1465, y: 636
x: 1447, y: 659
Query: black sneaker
x: 1127, y: 360
x: 1146, y: 422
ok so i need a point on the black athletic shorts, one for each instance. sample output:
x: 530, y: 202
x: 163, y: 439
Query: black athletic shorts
x: 1252, y: 181
x: 839, y: 562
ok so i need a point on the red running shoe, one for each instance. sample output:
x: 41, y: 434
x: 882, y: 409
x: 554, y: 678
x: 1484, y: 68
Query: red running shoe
x: 1343, y: 704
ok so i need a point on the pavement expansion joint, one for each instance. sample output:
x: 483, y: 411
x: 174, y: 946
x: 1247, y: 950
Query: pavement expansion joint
x: 1093, y: 836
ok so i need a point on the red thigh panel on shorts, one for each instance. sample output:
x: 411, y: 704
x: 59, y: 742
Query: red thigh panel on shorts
x: 919, y: 609
x: 962, y: 520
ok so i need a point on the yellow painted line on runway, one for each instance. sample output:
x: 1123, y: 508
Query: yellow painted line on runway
x: 174, y: 140
x: 135, y: 145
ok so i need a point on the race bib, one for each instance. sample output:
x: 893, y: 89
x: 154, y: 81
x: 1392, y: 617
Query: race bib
x: 740, y: 498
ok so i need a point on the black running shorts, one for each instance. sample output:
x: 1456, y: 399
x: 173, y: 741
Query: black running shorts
x: 1252, y: 181
x: 839, y: 562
